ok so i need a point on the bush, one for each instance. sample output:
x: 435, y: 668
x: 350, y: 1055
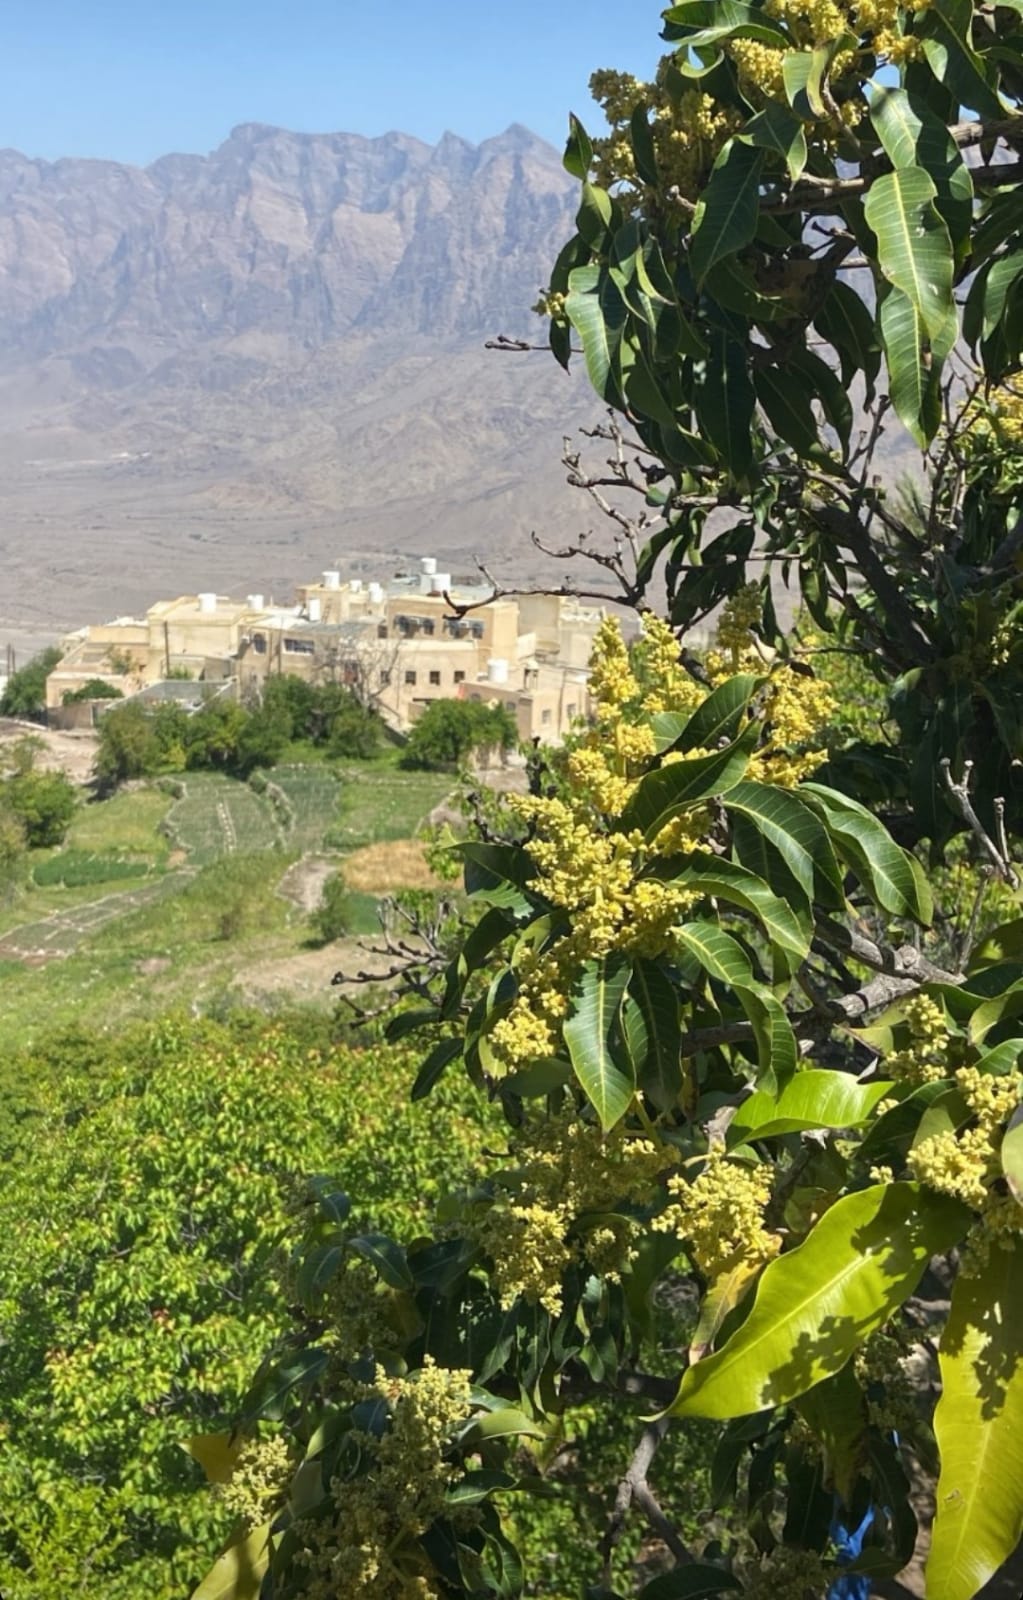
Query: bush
x: 43, y: 802
x: 137, y: 1277
x: 95, y: 689
x: 332, y: 919
x: 449, y: 730
x: 25, y: 691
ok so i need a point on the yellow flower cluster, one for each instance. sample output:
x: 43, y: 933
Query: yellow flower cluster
x: 797, y: 710
x: 964, y: 1164
x: 881, y: 1365
x: 664, y: 681
x: 564, y: 1169
x: 787, y: 1574
x: 688, y: 130
x: 371, y: 1547
x: 926, y: 1058
x: 721, y: 1215
x: 741, y: 613
x: 257, y: 1482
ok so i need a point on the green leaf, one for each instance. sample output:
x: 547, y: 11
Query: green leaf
x: 794, y: 832
x: 596, y: 214
x: 216, y: 1453
x: 726, y: 401
x: 643, y: 147
x: 720, y: 716
x: 726, y: 215
x: 813, y: 1099
x: 913, y: 380
x: 913, y: 136
x: 435, y: 1065
x: 788, y: 409
x: 476, y: 1487
x: 662, y: 794
x: 387, y: 1257
x: 880, y: 864
x: 945, y: 29
x: 779, y: 131
x: 720, y: 956
x: 803, y: 75
x: 695, y: 1582
x: 724, y: 880
x: 777, y: 1050
x: 598, y: 314
x: 978, y: 1423
x: 578, y: 157
x: 659, y: 1074
x: 702, y: 22
x: 845, y: 323
x: 816, y: 1305
x: 505, y: 1423
x: 239, y: 1570
x: 914, y: 248
x: 589, y: 1037
x: 1011, y: 1154
x: 836, y: 1414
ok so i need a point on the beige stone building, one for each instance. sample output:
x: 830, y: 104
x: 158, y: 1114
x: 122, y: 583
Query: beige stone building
x: 398, y: 646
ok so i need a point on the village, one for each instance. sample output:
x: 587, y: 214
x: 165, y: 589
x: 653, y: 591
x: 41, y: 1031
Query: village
x: 397, y: 645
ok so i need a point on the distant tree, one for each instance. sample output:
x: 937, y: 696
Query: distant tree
x: 25, y: 694
x: 449, y: 730
x: 13, y: 844
x: 95, y: 689
x: 43, y: 803
x: 128, y: 745
x: 213, y: 735
x: 332, y: 918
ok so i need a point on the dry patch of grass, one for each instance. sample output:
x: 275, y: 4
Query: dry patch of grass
x: 398, y: 864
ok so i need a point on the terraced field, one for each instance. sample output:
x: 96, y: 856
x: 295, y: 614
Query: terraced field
x: 311, y: 796
x: 219, y: 816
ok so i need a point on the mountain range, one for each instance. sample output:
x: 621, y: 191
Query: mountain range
x: 229, y: 371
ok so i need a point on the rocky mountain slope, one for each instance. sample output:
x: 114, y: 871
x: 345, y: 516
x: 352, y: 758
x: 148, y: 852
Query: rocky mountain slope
x: 229, y: 370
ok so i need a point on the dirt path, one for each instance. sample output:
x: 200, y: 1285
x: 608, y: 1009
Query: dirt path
x: 61, y: 933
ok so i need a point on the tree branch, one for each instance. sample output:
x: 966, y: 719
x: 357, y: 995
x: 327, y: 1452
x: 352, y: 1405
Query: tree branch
x: 635, y: 1490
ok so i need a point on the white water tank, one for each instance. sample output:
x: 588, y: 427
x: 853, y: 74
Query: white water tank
x: 497, y: 670
x: 314, y: 608
x: 440, y: 582
x: 376, y: 594
x: 355, y: 586
x: 255, y: 602
x: 429, y: 565
x: 207, y: 603
x: 332, y: 580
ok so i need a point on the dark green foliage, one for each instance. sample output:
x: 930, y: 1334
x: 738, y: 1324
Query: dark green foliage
x: 25, y: 693
x: 333, y: 917
x: 95, y: 689
x: 450, y: 730
x: 75, y: 868
x: 42, y: 802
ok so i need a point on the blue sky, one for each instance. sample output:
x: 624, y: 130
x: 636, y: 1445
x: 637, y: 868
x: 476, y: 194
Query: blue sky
x: 134, y: 79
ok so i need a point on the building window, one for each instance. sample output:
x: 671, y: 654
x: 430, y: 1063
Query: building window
x: 259, y: 643
x: 350, y: 672
x: 570, y: 710
x: 385, y: 678
x: 435, y: 679
x: 381, y: 630
x: 545, y: 716
x: 459, y: 677
x: 428, y: 625
x: 410, y: 678
x: 299, y: 647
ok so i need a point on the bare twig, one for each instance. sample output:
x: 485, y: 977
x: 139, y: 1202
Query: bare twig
x: 960, y: 792
x: 635, y: 1490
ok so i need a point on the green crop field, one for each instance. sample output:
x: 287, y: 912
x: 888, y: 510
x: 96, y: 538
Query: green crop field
x: 380, y: 802
x: 221, y: 816
x: 312, y: 795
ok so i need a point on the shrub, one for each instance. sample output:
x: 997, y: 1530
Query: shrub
x: 137, y: 1276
